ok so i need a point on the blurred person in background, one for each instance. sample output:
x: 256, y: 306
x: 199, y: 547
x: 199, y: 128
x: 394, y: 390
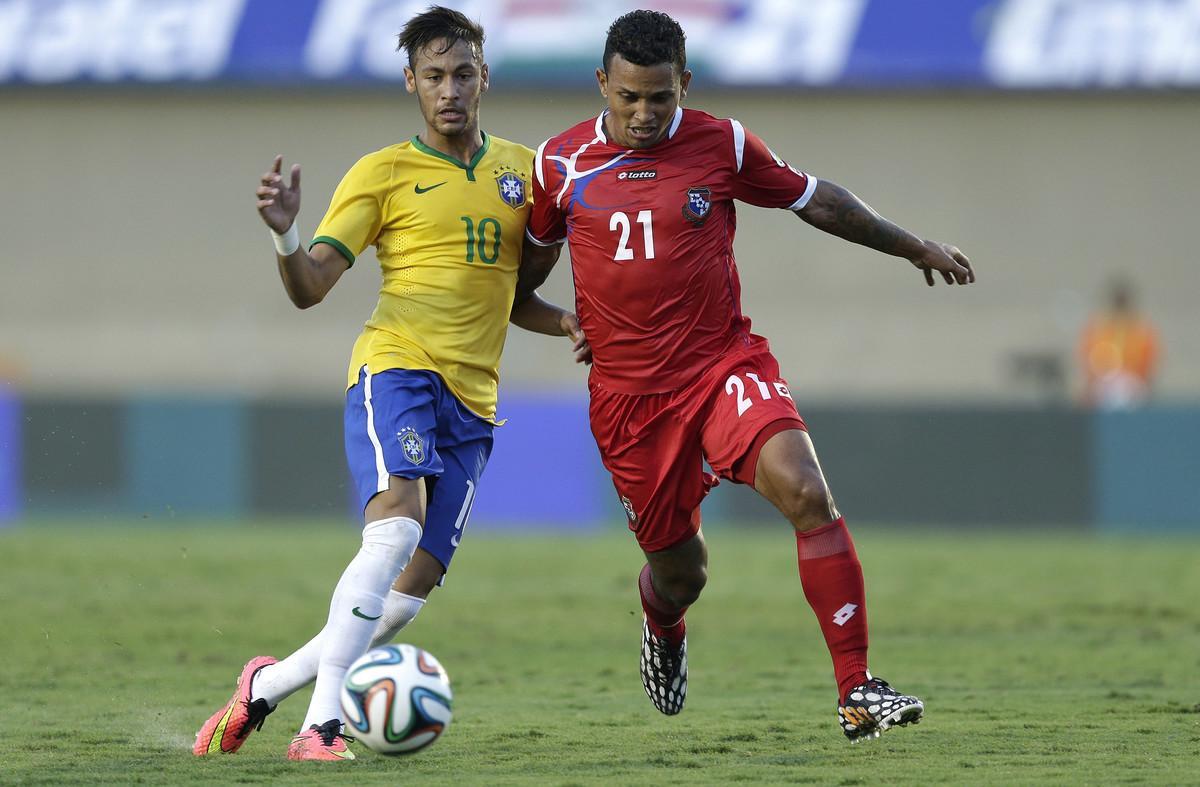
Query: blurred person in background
x: 9, y: 369
x: 446, y: 212
x: 1119, y: 351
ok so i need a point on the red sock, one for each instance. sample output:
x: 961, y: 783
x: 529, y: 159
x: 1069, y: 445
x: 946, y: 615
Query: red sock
x: 833, y: 584
x: 664, y: 620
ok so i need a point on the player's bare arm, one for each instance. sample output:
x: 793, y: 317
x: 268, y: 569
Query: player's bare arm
x: 536, y: 263
x: 838, y: 211
x: 532, y: 312
x: 538, y: 315
x: 307, y: 276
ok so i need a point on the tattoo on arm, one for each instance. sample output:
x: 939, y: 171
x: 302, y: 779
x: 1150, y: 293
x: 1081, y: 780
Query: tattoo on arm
x: 838, y: 211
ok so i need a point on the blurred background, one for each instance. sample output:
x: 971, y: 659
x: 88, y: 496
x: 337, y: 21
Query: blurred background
x: 153, y: 368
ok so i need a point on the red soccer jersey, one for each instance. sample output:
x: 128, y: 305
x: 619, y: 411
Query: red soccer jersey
x: 651, y: 236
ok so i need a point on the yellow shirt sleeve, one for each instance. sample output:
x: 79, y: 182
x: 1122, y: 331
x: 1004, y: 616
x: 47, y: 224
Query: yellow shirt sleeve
x: 355, y: 215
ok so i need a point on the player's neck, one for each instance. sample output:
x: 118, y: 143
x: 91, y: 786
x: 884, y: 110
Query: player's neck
x: 462, y: 147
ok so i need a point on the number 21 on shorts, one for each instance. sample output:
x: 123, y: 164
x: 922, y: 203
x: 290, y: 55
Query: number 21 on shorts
x: 734, y: 385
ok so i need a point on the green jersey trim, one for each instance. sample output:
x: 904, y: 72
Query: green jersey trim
x: 335, y: 243
x: 470, y: 168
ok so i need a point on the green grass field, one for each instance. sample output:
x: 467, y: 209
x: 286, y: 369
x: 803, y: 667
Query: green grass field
x: 1042, y: 659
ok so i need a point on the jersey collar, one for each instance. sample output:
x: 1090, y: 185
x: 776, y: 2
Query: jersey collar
x: 470, y: 168
x: 602, y: 137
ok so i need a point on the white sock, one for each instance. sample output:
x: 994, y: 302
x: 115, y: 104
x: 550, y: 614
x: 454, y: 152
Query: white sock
x: 277, y: 682
x: 356, y: 608
x: 398, y: 612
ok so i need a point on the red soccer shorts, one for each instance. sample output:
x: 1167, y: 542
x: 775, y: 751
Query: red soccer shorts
x: 654, y: 445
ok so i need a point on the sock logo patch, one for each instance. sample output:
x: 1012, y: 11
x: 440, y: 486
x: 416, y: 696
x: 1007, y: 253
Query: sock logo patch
x: 844, y: 614
x: 358, y: 613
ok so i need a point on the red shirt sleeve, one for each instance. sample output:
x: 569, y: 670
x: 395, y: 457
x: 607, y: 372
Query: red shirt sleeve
x: 547, y: 225
x: 763, y: 178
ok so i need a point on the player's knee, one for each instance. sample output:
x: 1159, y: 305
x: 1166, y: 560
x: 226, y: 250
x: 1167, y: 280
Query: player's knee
x: 394, y: 536
x: 682, y: 590
x: 391, y: 504
x: 806, y: 502
x: 403, y: 498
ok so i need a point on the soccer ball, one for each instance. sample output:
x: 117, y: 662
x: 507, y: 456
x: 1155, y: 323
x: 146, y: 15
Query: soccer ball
x: 396, y: 699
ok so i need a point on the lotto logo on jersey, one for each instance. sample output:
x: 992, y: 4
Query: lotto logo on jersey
x: 512, y: 190
x: 698, y: 205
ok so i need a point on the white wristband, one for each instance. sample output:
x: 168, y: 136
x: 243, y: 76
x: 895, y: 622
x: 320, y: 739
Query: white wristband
x: 288, y: 242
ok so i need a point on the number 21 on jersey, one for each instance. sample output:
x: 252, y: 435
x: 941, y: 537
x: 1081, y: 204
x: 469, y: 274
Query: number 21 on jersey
x: 735, y: 386
x: 619, y: 222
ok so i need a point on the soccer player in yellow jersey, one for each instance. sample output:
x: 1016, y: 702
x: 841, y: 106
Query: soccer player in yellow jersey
x: 446, y: 212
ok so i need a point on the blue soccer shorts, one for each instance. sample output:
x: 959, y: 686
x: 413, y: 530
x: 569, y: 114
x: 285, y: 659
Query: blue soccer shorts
x: 407, y: 423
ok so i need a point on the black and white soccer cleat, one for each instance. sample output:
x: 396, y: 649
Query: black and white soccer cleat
x: 875, y: 707
x: 664, y: 671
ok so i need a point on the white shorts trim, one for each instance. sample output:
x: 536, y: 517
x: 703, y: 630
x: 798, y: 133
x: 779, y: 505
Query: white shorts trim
x: 383, y: 480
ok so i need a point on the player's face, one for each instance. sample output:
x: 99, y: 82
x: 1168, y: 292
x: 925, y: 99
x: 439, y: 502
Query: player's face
x: 448, y: 87
x: 641, y: 100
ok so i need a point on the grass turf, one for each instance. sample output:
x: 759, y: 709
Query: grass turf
x: 1042, y: 658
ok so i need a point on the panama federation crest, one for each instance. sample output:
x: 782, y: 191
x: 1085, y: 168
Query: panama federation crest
x: 698, y: 205
x: 512, y: 190
x: 412, y: 445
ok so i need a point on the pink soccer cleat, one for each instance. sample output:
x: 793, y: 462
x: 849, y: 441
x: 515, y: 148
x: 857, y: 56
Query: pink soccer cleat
x: 229, y: 727
x: 321, y: 742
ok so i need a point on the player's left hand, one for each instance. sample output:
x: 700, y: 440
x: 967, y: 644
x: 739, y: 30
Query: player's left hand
x: 946, y: 260
x: 581, y: 348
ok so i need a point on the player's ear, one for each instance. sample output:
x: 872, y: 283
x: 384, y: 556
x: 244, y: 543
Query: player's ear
x: 410, y: 80
x: 685, y: 79
x: 484, y: 77
x: 602, y: 79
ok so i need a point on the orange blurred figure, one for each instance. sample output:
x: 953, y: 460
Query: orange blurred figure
x: 1120, y: 352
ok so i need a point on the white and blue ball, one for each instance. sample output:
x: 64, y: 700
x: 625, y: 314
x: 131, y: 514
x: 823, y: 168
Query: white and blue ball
x: 396, y: 699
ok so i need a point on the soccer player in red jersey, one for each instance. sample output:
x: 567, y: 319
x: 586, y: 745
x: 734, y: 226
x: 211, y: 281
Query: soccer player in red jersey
x: 645, y: 195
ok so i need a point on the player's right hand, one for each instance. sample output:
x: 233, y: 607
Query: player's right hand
x: 579, y: 343
x: 945, y: 259
x: 279, y: 202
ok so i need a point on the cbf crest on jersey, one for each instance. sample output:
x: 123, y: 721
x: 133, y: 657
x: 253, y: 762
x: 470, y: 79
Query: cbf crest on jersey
x: 412, y: 445
x: 512, y: 190
x: 698, y: 205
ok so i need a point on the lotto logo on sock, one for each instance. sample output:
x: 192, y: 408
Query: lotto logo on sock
x: 844, y: 614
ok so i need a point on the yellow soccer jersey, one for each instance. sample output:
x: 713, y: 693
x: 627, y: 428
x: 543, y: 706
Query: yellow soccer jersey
x: 448, y: 238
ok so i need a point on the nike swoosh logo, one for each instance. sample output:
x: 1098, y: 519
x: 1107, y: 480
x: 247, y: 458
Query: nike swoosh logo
x: 420, y: 190
x: 365, y: 617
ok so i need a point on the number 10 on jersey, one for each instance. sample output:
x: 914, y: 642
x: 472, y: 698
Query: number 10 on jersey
x: 479, y: 242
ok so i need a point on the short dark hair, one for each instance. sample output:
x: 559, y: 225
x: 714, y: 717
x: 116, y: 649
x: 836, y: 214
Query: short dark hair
x: 439, y: 23
x: 646, y: 38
